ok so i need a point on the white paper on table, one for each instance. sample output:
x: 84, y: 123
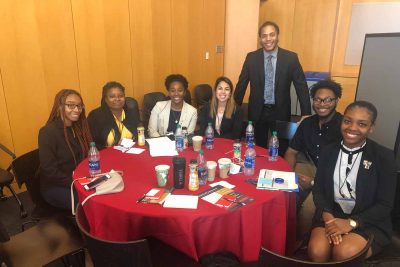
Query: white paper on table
x: 135, y: 150
x: 120, y: 148
x: 127, y: 143
x: 161, y: 146
x: 181, y: 202
x: 266, y: 180
x: 224, y: 184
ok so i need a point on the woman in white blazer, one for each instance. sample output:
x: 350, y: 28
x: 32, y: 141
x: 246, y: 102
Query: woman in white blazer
x: 166, y: 115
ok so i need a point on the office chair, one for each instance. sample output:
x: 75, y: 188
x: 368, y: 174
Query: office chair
x: 149, y: 101
x: 270, y: 259
x: 203, y: 94
x: 6, y: 179
x: 286, y: 129
x: 26, y: 169
x: 43, y: 243
x: 133, y: 105
x: 110, y: 253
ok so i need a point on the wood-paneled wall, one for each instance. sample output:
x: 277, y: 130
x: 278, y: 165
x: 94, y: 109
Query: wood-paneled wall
x: 49, y: 45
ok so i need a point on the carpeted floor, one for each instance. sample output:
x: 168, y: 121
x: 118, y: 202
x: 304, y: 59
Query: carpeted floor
x: 10, y: 215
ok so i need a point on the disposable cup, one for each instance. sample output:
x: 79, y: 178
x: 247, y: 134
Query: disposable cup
x: 211, y: 167
x: 162, y: 172
x: 197, y: 140
x: 224, y: 165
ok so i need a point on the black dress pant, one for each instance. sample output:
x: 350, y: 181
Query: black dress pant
x: 265, y: 124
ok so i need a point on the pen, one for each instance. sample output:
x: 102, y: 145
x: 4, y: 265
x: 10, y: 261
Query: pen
x: 141, y: 198
x: 273, y: 180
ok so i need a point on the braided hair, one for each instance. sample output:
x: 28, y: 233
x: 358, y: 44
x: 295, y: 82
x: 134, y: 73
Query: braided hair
x: 80, y: 127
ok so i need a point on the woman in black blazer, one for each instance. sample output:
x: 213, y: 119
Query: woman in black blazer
x: 225, y: 116
x: 354, y: 191
x: 113, y: 120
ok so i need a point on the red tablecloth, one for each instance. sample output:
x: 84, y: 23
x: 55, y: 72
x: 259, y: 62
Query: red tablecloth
x: 268, y: 221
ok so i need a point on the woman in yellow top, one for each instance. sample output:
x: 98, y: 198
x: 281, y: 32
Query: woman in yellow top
x: 113, y: 120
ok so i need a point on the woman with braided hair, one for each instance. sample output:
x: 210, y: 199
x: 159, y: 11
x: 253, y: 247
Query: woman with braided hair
x: 63, y: 144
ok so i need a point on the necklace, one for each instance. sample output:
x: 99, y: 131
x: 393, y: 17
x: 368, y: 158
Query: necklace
x: 176, y: 115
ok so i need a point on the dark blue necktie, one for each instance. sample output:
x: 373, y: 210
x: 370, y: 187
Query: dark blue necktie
x: 269, y: 82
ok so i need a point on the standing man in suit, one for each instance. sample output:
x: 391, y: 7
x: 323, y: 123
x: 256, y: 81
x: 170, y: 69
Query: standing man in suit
x: 270, y: 71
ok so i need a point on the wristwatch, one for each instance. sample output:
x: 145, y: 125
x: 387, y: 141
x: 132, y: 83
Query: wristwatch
x: 353, y: 223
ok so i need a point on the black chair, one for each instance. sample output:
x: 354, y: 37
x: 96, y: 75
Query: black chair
x: 149, y: 101
x: 6, y: 179
x: 133, y: 105
x: 286, y: 129
x: 109, y: 253
x: 26, y: 169
x: 270, y: 259
x: 48, y: 241
x: 203, y: 94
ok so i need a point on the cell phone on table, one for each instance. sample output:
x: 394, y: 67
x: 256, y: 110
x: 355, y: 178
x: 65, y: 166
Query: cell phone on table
x: 97, y: 182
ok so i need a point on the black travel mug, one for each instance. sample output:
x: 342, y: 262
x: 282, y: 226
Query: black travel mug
x: 179, y: 164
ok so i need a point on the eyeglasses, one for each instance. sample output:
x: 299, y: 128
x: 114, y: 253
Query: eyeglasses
x: 73, y: 106
x: 327, y: 100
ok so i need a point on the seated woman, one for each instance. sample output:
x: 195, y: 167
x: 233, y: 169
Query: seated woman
x: 226, y: 117
x: 354, y: 191
x: 166, y: 115
x: 112, y: 121
x: 63, y: 144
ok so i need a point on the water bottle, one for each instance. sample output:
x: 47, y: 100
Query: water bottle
x: 179, y: 138
x: 273, y: 147
x: 202, y: 168
x: 209, y: 136
x: 249, y: 160
x: 94, y: 160
x: 250, y: 133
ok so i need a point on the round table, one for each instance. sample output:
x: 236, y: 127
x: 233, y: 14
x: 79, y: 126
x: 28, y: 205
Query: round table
x: 268, y: 221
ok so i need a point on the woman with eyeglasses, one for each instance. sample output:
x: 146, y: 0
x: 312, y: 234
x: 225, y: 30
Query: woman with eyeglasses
x: 223, y: 113
x: 63, y: 144
x: 353, y: 192
x: 113, y: 120
x: 166, y: 115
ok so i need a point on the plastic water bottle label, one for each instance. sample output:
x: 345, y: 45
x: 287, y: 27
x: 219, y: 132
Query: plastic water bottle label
x: 249, y: 162
x: 179, y: 143
x: 209, y: 141
x: 202, y: 172
x: 249, y: 138
x: 273, y: 151
x: 94, y: 165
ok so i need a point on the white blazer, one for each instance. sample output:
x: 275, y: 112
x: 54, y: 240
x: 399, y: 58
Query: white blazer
x: 159, y: 118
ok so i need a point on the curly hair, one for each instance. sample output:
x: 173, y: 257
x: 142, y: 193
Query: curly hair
x: 335, y: 87
x: 176, y: 78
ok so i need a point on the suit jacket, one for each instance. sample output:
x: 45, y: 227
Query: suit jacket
x: 230, y: 128
x: 159, y: 118
x: 375, y: 189
x: 101, y: 121
x: 56, y: 161
x: 288, y: 70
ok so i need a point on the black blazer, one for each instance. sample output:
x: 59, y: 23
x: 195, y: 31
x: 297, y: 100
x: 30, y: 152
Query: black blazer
x: 230, y: 128
x: 375, y: 189
x: 101, y: 121
x: 288, y: 70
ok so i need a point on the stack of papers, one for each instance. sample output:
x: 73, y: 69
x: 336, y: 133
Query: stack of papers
x: 161, y: 146
x: 277, y: 180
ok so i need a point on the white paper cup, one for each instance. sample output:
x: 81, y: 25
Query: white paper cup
x: 224, y: 166
x: 162, y: 172
x: 211, y: 167
x: 197, y: 140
